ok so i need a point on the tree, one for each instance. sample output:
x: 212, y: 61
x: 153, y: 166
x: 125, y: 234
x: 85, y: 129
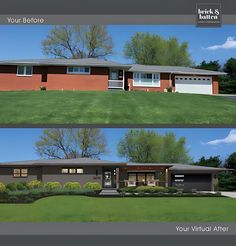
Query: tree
x: 212, y: 161
x: 227, y: 84
x: 211, y: 65
x: 149, y: 147
x: 71, y: 143
x: 230, y: 162
x: 75, y: 41
x: 151, y: 49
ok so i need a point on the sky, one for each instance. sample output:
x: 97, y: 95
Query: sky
x: 18, y: 143
x: 24, y: 41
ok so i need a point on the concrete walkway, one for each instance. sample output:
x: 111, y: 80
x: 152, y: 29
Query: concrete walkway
x: 231, y: 194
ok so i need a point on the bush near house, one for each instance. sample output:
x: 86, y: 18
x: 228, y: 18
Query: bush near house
x: 93, y: 186
x: 34, y: 184
x: 149, y: 189
x: 72, y: 185
x: 53, y: 185
x: 2, y: 188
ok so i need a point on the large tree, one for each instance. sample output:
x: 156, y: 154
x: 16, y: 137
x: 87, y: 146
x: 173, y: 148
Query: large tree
x: 152, y: 49
x: 76, y: 41
x: 230, y: 162
x: 212, y: 161
x: 211, y: 65
x: 148, y: 147
x: 71, y: 143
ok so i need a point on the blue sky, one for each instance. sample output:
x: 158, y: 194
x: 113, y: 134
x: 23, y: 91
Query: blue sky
x: 18, y: 42
x: 18, y: 144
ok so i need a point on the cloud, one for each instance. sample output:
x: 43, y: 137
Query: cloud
x: 230, y: 43
x: 231, y: 138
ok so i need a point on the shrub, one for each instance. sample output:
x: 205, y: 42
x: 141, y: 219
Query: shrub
x: 43, y: 88
x: 35, y: 184
x: 128, y: 189
x: 171, y: 189
x: 72, y: 185
x: 52, y: 185
x: 21, y: 186
x: 92, y: 186
x: 2, y: 188
x: 150, y: 189
x: 169, y: 89
x: 12, y: 186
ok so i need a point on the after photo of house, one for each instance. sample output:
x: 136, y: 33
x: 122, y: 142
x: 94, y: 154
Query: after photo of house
x: 115, y: 74
x: 117, y: 175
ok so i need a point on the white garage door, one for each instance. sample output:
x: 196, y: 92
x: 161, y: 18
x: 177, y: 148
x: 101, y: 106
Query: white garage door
x: 195, y: 85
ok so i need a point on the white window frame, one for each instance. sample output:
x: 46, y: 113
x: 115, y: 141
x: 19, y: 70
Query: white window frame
x: 25, y: 67
x: 68, y: 72
x: 137, y: 80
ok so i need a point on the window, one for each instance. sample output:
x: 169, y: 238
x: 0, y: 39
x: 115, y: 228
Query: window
x: 72, y: 170
x: 78, y: 70
x: 20, y: 172
x: 147, y: 79
x: 114, y: 75
x: 80, y: 170
x: 24, y: 71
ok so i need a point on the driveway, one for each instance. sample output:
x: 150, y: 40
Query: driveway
x: 229, y: 96
x: 231, y: 194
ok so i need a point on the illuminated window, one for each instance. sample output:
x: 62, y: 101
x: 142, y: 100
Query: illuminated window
x: 20, y: 172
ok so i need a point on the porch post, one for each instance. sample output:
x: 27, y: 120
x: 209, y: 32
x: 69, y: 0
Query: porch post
x: 166, y: 177
x: 123, y: 79
x: 117, y: 178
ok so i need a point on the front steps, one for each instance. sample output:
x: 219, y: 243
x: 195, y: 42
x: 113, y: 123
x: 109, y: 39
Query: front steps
x: 109, y: 192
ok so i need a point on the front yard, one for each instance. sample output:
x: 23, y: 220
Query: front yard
x: 90, y: 107
x: 92, y: 209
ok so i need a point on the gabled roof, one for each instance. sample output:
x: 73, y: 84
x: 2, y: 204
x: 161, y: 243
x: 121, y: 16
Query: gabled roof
x: 93, y: 62
x: 172, y: 69
x: 65, y: 62
x: 58, y: 162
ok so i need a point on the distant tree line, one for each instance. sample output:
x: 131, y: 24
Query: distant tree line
x: 227, y: 180
x: 227, y: 84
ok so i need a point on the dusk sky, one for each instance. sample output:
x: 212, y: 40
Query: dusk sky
x: 18, y: 144
x: 19, y: 42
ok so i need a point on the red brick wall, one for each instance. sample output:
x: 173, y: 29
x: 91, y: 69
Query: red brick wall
x: 215, y: 85
x: 56, y: 77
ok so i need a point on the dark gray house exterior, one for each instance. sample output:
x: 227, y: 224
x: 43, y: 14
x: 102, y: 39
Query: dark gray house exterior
x: 112, y: 174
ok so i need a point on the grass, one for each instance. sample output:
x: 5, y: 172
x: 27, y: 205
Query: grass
x: 90, y: 209
x: 108, y: 107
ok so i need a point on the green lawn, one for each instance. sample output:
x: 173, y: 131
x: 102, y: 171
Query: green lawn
x: 81, y: 107
x: 85, y: 209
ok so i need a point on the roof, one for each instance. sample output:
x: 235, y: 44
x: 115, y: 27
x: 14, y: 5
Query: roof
x: 57, y: 162
x: 65, y: 62
x: 173, y: 69
x: 179, y: 167
x: 93, y: 62
x: 187, y: 167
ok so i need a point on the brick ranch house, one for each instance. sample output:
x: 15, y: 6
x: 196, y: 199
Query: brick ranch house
x: 112, y: 174
x: 101, y: 75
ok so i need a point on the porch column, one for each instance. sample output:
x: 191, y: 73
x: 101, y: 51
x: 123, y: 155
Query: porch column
x: 166, y: 177
x: 123, y: 79
x: 117, y: 178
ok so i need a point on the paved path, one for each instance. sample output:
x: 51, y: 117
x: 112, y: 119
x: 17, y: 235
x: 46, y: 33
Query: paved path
x: 231, y: 194
x: 229, y: 96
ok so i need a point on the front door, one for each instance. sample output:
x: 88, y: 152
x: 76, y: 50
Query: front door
x: 108, y: 179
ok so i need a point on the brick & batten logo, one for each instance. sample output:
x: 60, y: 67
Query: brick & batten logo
x: 208, y: 14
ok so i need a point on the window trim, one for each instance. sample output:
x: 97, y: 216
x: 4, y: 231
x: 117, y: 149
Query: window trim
x: 138, y: 82
x: 25, y: 174
x: 25, y: 67
x: 68, y: 72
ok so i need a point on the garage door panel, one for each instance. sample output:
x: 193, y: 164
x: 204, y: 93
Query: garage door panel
x: 194, y: 85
